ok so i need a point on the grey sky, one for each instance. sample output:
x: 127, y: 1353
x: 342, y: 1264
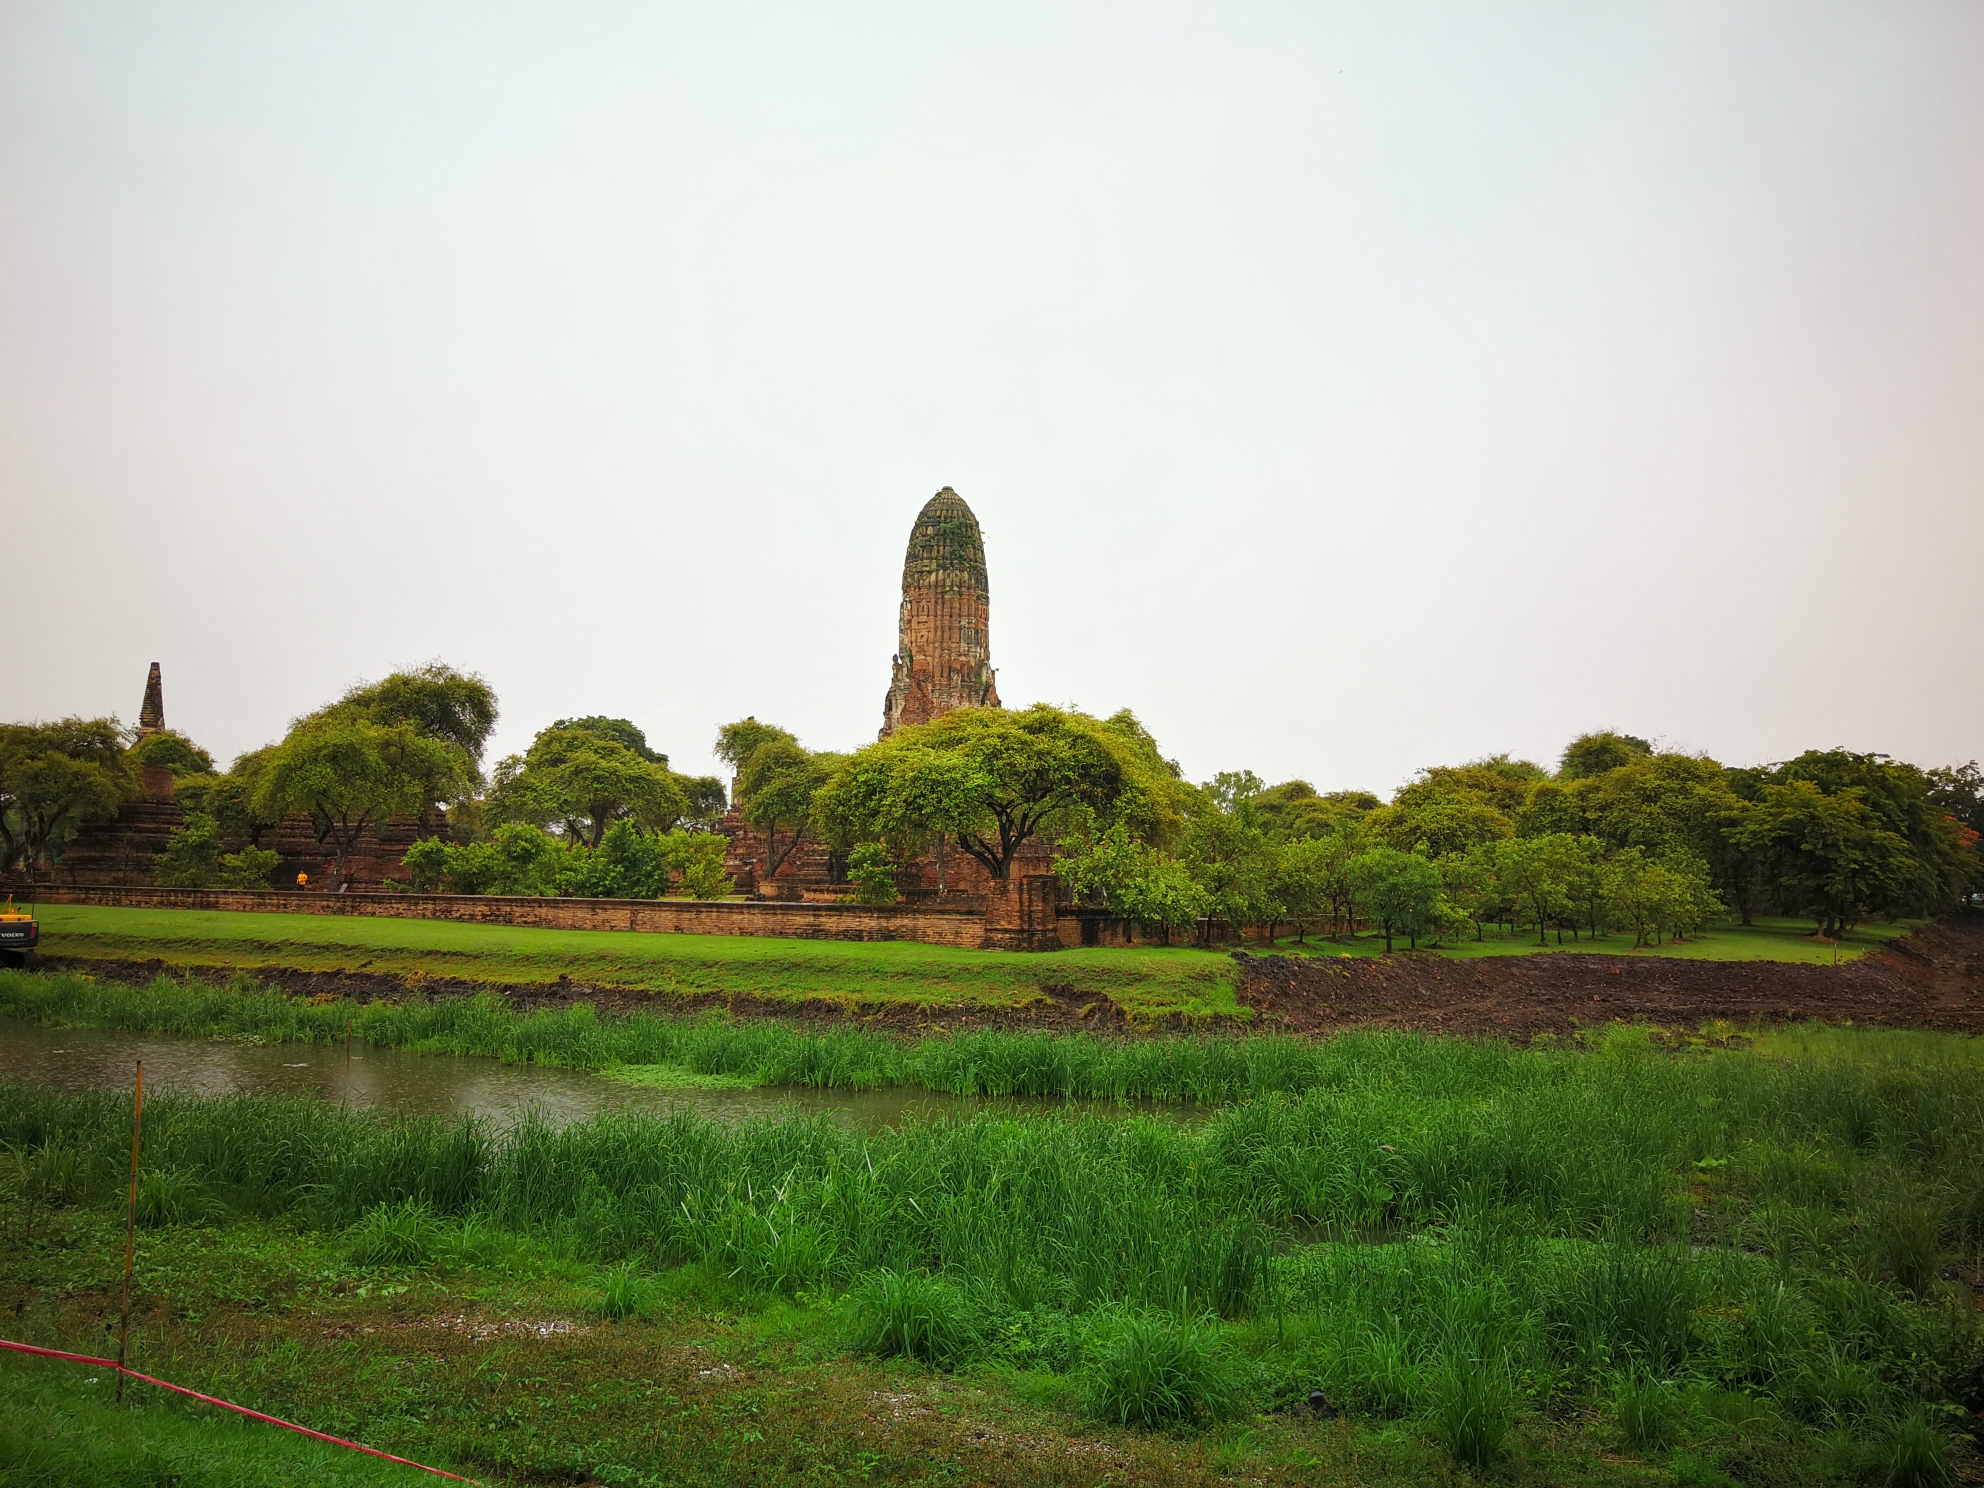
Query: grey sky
x: 1345, y: 389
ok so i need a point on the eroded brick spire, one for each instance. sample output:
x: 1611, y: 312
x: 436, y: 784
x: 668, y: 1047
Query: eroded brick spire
x: 151, y: 715
x: 943, y: 652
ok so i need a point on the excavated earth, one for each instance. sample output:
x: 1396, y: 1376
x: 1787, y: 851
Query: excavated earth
x: 1932, y: 978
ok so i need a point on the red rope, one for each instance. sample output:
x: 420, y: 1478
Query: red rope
x: 337, y: 1441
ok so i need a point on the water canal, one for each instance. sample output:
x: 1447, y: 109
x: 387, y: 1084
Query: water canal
x: 78, y: 1059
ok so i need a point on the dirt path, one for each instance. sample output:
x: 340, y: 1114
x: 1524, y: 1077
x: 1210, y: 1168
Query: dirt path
x: 1933, y: 978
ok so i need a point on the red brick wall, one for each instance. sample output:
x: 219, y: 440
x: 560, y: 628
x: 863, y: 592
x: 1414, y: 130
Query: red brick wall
x: 678, y: 916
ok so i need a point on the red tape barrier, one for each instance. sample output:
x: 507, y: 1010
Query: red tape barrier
x: 337, y: 1441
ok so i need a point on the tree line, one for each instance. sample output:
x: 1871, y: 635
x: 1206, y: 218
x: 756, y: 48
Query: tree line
x: 1618, y: 836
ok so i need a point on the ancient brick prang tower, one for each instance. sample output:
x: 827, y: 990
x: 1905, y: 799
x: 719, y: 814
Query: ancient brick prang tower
x: 151, y: 713
x: 943, y: 656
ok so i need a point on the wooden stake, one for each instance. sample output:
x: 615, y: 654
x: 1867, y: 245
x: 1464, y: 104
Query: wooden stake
x: 130, y: 1228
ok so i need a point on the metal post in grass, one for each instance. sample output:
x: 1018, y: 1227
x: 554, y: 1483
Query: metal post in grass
x: 130, y: 1228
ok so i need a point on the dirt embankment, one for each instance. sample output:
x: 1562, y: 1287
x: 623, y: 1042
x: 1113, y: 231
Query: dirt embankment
x: 1058, y: 1007
x: 1933, y: 978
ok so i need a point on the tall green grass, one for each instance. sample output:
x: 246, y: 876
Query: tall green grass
x: 1725, y: 1246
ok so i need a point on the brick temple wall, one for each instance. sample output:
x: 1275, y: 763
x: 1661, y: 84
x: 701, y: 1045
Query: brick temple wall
x: 121, y: 851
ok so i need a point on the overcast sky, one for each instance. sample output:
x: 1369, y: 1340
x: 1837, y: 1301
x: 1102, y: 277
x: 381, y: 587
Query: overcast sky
x: 1346, y: 389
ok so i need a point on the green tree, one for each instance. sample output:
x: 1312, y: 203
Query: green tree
x: 1227, y: 852
x: 175, y: 751
x: 737, y: 742
x: 191, y: 859
x: 873, y: 873
x: 585, y: 782
x: 1652, y: 895
x: 1135, y: 880
x: 1832, y: 856
x: 434, y: 701
x: 1594, y: 754
x: 351, y: 775
x: 1467, y: 883
x: 697, y: 859
x: 518, y: 858
x: 55, y: 778
x: 621, y: 731
x: 1399, y: 892
x: 775, y: 791
x: 1003, y: 778
x: 1534, y: 872
x: 1900, y: 797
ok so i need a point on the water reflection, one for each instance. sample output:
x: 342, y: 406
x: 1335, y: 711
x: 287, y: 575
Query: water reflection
x: 444, y: 1085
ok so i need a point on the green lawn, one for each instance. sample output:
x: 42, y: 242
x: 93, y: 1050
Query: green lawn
x: 1771, y: 938
x: 1148, y: 982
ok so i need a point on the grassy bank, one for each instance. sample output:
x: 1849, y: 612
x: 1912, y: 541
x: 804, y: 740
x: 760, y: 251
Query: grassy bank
x: 1582, y: 1263
x: 1144, y: 981
x: 1208, y: 1069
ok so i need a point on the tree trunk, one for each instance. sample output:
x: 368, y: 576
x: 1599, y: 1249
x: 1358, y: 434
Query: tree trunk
x: 941, y: 891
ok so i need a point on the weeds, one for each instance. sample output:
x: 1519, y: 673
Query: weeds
x: 1470, y: 1407
x: 913, y: 1315
x: 1649, y: 1412
x: 402, y: 1234
x: 1157, y: 1369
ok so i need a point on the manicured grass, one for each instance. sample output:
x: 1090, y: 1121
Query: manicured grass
x: 1145, y: 982
x: 1769, y: 939
x: 1617, y: 1264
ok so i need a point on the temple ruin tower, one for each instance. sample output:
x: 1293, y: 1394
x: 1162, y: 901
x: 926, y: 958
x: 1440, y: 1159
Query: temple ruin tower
x: 151, y: 713
x: 943, y: 658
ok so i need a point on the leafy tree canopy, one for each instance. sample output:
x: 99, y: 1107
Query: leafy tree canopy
x: 57, y: 777
x: 1594, y: 754
x: 173, y: 750
x: 351, y: 774
x: 434, y: 700
x: 620, y: 730
x: 997, y: 779
x: 584, y: 782
x: 737, y: 742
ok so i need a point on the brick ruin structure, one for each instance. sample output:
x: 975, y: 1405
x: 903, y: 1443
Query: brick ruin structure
x: 942, y: 662
x: 943, y: 648
x: 120, y: 852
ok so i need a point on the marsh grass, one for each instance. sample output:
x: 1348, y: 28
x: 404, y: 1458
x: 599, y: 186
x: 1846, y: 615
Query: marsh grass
x: 1470, y: 1407
x: 402, y: 1234
x: 1154, y: 1369
x: 624, y: 1292
x: 914, y: 1316
x: 1545, y: 1211
x: 1649, y: 1412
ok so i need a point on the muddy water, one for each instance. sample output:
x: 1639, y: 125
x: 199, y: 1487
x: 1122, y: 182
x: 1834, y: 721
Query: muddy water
x: 441, y: 1084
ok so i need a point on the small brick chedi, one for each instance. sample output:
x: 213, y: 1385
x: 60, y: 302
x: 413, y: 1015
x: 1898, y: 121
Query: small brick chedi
x: 943, y: 650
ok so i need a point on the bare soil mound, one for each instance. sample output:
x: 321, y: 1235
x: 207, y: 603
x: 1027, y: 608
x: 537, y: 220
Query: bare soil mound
x: 1933, y: 978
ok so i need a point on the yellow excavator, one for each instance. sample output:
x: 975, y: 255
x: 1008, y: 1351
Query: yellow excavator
x: 20, y: 936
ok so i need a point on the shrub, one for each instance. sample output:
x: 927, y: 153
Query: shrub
x: 1648, y: 1412
x: 873, y: 874
x: 169, y: 1196
x: 1471, y: 1405
x: 402, y: 1234
x: 1908, y: 1248
x: 248, y: 869
x: 1156, y: 1369
x: 624, y: 1293
x: 911, y: 1314
x: 1917, y: 1456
